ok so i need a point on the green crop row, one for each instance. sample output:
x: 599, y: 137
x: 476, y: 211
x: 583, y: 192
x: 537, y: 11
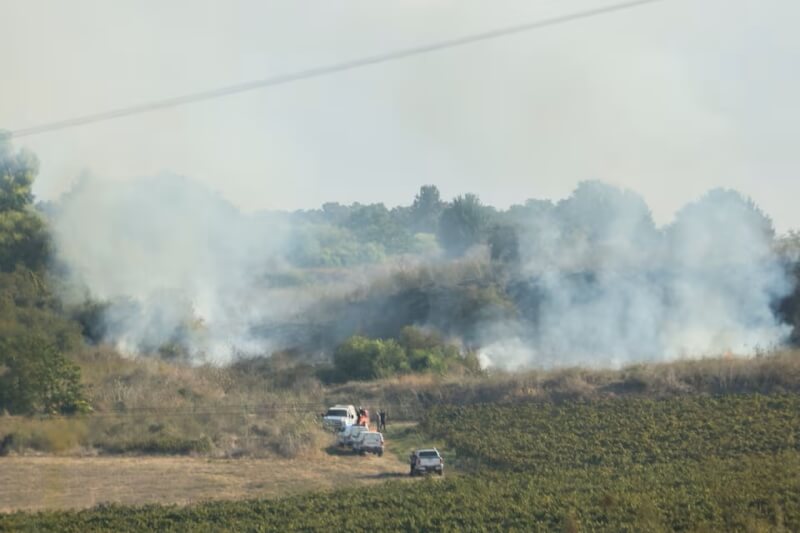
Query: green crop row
x: 618, y: 432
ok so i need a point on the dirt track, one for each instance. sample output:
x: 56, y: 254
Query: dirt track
x: 35, y: 483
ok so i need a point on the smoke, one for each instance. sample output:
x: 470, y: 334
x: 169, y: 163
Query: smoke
x: 176, y: 262
x: 611, y: 288
x: 597, y: 282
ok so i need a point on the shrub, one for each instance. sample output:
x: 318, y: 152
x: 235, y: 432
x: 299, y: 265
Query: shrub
x: 37, y: 378
x: 362, y: 358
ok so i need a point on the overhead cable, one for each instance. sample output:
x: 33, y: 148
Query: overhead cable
x: 325, y: 70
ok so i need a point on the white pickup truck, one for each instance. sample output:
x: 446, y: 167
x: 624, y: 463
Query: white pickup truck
x: 339, y: 417
x: 426, y: 460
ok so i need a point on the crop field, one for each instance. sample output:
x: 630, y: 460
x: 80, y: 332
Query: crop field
x: 728, y: 463
x: 619, y: 433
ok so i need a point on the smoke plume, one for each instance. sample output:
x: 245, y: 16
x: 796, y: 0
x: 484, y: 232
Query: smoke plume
x: 613, y: 289
x: 595, y: 281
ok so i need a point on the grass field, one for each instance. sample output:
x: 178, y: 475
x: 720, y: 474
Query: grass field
x: 37, y: 483
x: 729, y: 463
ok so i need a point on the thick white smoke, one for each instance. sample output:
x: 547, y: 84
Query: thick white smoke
x: 613, y: 289
x: 598, y: 283
x: 177, y: 262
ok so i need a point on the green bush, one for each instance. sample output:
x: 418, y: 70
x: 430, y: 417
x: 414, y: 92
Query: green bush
x: 417, y: 350
x: 37, y: 378
x: 361, y: 358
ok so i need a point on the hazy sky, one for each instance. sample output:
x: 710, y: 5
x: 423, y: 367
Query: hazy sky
x: 670, y: 99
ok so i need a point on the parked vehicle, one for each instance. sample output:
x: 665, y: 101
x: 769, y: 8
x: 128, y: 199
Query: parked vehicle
x: 339, y: 417
x: 369, y: 442
x: 348, y: 435
x: 426, y: 460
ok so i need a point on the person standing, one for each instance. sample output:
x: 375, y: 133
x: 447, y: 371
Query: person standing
x: 382, y: 420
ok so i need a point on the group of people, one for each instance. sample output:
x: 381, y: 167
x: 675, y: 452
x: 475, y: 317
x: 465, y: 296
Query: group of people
x: 380, y: 418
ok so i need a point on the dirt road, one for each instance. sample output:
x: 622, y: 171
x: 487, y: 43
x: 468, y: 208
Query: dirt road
x: 34, y: 483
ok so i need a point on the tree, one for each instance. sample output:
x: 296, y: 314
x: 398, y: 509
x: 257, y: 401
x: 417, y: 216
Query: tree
x: 335, y: 213
x: 34, y: 374
x: 462, y: 224
x: 603, y: 214
x: 722, y: 227
x: 374, y: 223
x: 17, y: 172
x: 23, y: 236
x: 426, y: 209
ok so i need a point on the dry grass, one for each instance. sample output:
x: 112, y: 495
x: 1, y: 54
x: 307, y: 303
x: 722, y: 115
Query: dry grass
x: 407, y: 397
x: 147, y: 405
x: 264, y: 410
x: 37, y: 483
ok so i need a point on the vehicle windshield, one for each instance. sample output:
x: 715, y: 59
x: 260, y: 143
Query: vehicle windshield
x: 336, y: 412
x: 428, y: 454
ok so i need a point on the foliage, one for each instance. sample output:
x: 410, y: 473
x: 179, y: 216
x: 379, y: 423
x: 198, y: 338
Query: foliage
x: 504, y: 244
x: 619, y: 433
x: 374, y: 224
x: 17, y: 172
x: 426, y: 209
x: 23, y: 236
x: 34, y: 374
x: 23, y: 240
x: 331, y: 246
x: 788, y: 308
x: 37, y: 378
x: 362, y: 358
x: 595, y: 212
x: 462, y: 224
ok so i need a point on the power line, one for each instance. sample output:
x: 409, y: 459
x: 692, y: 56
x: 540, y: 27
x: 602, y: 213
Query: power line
x: 324, y: 70
x: 309, y: 408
